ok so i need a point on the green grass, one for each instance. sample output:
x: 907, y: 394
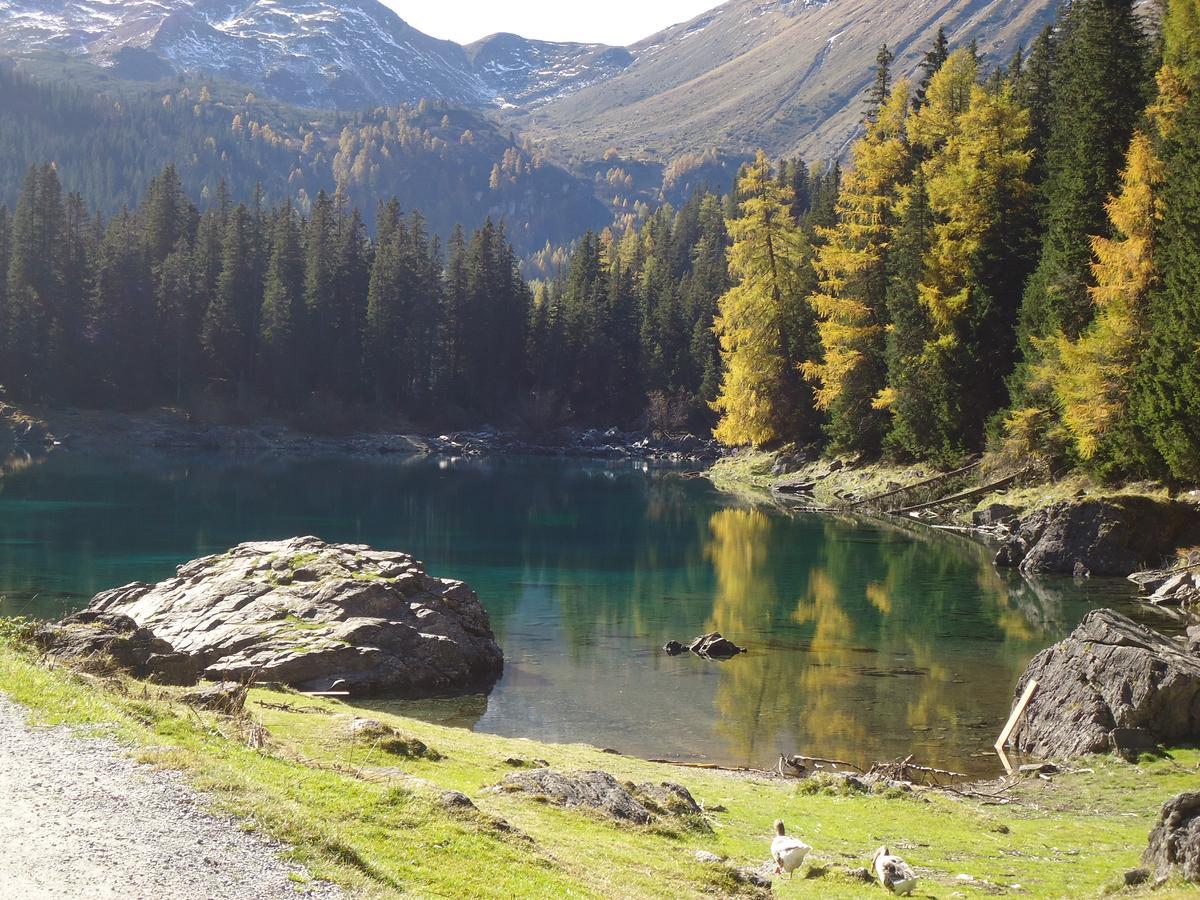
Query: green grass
x: 371, y: 820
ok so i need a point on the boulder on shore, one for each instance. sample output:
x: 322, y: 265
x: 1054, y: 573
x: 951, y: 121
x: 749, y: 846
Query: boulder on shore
x: 1175, y: 840
x: 1113, y: 536
x: 1112, y: 685
x: 317, y: 616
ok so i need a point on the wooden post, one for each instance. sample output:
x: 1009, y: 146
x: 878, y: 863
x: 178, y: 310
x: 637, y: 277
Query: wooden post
x: 1017, y: 712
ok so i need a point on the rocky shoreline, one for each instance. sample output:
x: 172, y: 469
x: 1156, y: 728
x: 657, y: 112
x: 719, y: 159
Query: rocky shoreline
x: 26, y: 435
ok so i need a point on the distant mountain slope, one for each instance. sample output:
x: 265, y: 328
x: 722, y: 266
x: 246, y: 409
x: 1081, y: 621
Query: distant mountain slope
x: 787, y: 75
x: 329, y: 53
x: 108, y: 138
x: 347, y: 53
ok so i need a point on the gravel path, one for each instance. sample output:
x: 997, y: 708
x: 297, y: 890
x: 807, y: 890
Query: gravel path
x: 79, y: 819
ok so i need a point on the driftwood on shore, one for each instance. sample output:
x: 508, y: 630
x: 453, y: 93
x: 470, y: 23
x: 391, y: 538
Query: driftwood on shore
x: 963, y: 495
x: 936, y: 479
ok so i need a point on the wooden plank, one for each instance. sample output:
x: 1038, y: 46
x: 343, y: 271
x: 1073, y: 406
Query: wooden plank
x: 1017, y: 712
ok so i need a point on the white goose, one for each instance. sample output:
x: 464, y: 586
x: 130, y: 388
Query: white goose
x: 893, y: 873
x: 788, y: 852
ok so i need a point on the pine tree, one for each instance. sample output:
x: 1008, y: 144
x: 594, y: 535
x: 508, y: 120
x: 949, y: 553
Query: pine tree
x: 763, y: 318
x: 1167, y: 386
x: 852, y: 265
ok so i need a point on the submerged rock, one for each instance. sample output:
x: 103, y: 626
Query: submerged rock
x: 1175, y: 840
x: 1111, y: 685
x: 315, y: 615
x: 602, y: 792
x: 1114, y: 536
x: 101, y: 639
x: 714, y: 646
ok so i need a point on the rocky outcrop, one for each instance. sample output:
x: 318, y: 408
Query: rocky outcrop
x: 1113, y: 536
x: 1112, y: 685
x: 1175, y: 841
x: 318, y: 616
x: 639, y: 804
x: 102, y: 640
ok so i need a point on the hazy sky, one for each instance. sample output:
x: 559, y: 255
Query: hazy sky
x: 610, y: 22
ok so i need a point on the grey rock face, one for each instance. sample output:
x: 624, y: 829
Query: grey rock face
x: 317, y: 616
x: 1175, y: 840
x: 1112, y: 685
x: 1115, y: 536
x: 600, y: 791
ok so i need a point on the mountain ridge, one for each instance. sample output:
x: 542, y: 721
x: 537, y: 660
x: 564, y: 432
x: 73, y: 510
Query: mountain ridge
x: 785, y: 75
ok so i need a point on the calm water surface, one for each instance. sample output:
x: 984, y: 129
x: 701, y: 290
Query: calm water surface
x: 867, y: 642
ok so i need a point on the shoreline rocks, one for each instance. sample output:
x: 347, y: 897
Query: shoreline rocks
x: 318, y: 616
x: 588, y: 443
x: 1112, y: 685
x: 1114, y: 536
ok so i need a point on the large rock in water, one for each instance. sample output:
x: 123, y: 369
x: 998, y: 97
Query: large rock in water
x: 1175, y: 840
x: 1112, y: 685
x: 311, y: 614
x: 1114, y: 536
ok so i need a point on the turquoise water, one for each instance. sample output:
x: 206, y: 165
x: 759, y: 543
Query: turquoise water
x: 866, y: 641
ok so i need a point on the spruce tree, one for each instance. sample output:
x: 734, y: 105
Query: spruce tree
x: 935, y: 57
x: 35, y: 282
x: 279, y: 371
x: 121, y: 317
x: 908, y: 398
x: 1091, y: 377
x: 1099, y: 86
x: 1167, y: 388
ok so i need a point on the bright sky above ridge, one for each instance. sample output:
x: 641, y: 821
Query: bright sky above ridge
x: 616, y: 22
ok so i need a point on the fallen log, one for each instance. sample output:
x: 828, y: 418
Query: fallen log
x: 955, y: 498
x: 944, y: 476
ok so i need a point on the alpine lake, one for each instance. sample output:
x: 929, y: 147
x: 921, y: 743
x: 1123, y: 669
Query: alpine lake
x: 867, y: 640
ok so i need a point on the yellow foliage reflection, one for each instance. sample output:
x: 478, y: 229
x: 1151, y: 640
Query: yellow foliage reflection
x: 878, y: 671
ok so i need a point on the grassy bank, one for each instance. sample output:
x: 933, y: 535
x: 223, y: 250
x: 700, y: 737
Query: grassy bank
x: 372, y: 820
x: 749, y: 472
